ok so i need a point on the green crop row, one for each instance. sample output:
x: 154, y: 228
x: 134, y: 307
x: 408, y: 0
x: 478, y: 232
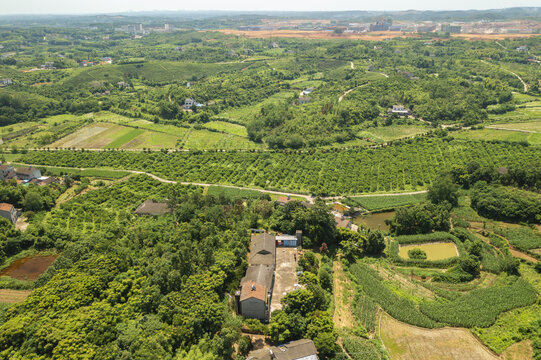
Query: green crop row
x: 398, y: 307
x: 481, y: 307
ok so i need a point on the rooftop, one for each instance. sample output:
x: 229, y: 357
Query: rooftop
x: 6, y: 207
x: 263, y: 249
x: 261, y: 274
x: 251, y: 289
x: 293, y: 350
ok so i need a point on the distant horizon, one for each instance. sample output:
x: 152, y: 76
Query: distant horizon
x: 122, y: 7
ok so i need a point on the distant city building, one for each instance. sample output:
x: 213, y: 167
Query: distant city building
x: 382, y: 25
x: 452, y: 29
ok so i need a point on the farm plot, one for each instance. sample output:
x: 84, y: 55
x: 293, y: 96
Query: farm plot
x: 379, y: 202
x: 434, y: 251
x: 408, y: 342
x: 502, y: 135
x: 111, y: 136
x: 226, y: 127
x: 28, y: 268
x: 9, y: 296
x: 393, y: 132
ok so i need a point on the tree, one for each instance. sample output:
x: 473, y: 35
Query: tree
x: 375, y: 243
x: 417, y: 253
x: 32, y: 201
x: 443, y: 190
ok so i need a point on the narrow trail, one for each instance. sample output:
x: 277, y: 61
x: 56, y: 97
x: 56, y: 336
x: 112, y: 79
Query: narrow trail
x: 348, y: 91
x: 308, y: 198
x: 526, y: 86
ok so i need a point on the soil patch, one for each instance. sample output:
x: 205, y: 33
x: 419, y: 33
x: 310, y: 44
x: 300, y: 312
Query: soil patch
x: 29, y: 268
x: 13, y: 296
x: 518, y: 351
x: 343, y: 297
x: 408, y: 342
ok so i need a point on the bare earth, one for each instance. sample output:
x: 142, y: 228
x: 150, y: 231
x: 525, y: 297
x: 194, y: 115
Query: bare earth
x: 75, y: 139
x: 13, y: 296
x: 406, y: 342
x: 285, y: 276
x: 376, y: 36
x: 343, y: 296
x: 518, y: 351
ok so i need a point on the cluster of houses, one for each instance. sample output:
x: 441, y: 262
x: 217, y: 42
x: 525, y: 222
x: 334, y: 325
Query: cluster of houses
x: 190, y: 102
x: 25, y: 175
x: 86, y: 63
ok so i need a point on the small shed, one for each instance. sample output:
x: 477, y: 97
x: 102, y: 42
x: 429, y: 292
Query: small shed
x: 286, y: 240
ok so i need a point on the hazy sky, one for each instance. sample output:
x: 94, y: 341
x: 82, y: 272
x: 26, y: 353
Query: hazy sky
x: 105, y: 6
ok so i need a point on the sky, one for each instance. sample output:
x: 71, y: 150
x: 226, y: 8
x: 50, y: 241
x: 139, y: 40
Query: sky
x: 111, y: 6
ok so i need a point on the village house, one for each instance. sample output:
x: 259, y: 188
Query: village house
x: 27, y: 173
x: 8, y: 212
x: 289, y: 240
x: 151, y: 207
x: 522, y: 48
x: 107, y: 60
x: 5, y: 82
x: 49, y: 65
x: 86, y: 63
x: 399, y: 110
x: 307, y: 91
x: 255, y: 293
x: 303, y: 349
x: 304, y: 100
x: 189, y: 102
x: 44, y: 181
x: 6, y: 172
x: 123, y: 84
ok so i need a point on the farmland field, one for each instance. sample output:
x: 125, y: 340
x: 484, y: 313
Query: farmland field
x: 28, y: 268
x: 378, y: 202
x: 408, y: 342
x: 227, y: 128
x: 8, y: 296
x: 393, y: 132
x: 502, y: 135
x: 434, y: 251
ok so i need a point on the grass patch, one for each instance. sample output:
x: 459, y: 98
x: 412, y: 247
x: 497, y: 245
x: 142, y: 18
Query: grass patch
x: 233, y: 193
x: 385, y: 202
x: 125, y: 138
x: 226, y: 127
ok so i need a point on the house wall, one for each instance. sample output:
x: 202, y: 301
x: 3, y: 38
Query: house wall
x: 10, y: 216
x: 254, y: 308
x: 290, y: 243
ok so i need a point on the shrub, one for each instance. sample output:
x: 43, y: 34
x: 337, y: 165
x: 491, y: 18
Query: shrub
x: 417, y: 253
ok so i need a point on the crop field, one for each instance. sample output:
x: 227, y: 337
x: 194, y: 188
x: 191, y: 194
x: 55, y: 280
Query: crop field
x: 528, y: 111
x: 226, y: 127
x: 407, y: 342
x: 233, y: 193
x: 528, y: 126
x: 9, y: 296
x: 393, y: 132
x: 502, y: 135
x: 434, y: 251
x: 378, y: 202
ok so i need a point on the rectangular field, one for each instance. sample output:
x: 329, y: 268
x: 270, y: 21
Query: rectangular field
x: 379, y: 202
x: 434, y: 251
x: 502, y: 135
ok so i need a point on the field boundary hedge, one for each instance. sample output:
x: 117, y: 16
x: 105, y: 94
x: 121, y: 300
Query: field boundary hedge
x: 423, y: 239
